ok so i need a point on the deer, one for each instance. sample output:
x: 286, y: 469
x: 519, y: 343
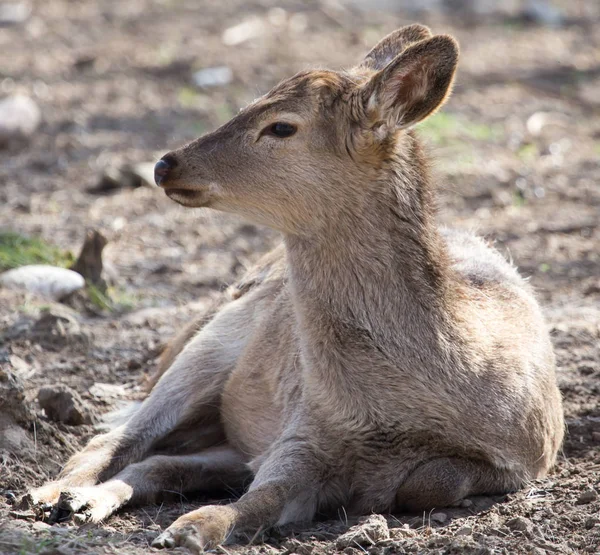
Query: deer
x: 373, y: 361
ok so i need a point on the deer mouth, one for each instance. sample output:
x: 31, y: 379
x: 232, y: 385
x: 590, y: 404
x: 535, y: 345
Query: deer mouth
x: 188, y: 197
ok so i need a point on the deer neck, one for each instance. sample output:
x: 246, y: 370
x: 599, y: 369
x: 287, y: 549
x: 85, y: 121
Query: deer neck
x: 373, y: 287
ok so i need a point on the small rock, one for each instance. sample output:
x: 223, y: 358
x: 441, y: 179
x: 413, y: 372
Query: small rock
x: 591, y: 522
x: 537, y: 122
x: 62, y: 404
x: 520, y: 524
x: 84, y: 61
x: 440, y: 518
x: 11, y: 498
x: 592, y: 289
x: 249, y: 29
x: 464, y: 531
x: 20, y: 116
x: 466, y: 503
x: 48, y: 281
x: 13, y: 13
x: 544, y: 13
x: 587, y: 369
x: 368, y: 532
x: 40, y: 526
x: 586, y: 497
x: 213, y: 77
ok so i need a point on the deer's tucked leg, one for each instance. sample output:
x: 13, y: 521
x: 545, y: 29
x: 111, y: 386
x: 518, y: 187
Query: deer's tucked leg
x: 153, y: 478
x: 187, y: 394
x: 286, y: 488
x: 445, y: 481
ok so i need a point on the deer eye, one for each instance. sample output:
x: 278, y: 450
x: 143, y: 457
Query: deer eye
x: 281, y: 130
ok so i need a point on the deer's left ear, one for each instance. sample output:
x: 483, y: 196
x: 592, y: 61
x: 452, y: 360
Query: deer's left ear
x: 412, y: 86
x: 392, y: 45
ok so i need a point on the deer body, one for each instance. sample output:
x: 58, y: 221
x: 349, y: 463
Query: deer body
x: 372, y: 361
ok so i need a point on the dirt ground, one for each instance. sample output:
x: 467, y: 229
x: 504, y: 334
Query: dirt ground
x: 517, y: 153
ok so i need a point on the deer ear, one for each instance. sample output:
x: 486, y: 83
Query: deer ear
x: 392, y: 45
x: 413, y: 85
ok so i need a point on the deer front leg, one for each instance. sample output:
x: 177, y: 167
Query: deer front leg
x: 188, y: 392
x: 285, y: 489
x: 151, y: 479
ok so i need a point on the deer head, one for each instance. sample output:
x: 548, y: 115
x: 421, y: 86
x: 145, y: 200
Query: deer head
x: 315, y: 145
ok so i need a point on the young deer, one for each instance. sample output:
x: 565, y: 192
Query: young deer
x: 372, y: 361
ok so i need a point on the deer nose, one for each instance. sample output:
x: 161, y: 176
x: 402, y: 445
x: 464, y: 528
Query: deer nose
x: 162, y: 168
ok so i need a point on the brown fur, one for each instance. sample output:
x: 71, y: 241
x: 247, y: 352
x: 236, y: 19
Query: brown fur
x: 373, y: 361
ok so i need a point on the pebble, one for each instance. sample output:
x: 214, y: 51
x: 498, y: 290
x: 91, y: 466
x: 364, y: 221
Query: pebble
x: 538, y: 121
x: 544, y: 13
x: 12, y: 13
x: 440, y: 518
x: 367, y: 532
x: 20, y: 116
x: 464, y: 531
x: 466, y: 503
x: 591, y: 522
x: 520, y: 524
x: 213, y: 77
x: 586, y: 497
x: 244, y: 31
x: 62, y: 404
x: 48, y: 281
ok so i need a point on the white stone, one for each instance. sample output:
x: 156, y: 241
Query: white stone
x: 13, y: 13
x: 213, y: 77
x: 242, y: 32
x: 48, y: 281
x: 19, y: 118
x: 537, y: 122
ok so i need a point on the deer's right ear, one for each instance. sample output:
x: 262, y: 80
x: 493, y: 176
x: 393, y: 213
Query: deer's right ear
x: 411, y: 87
x: 392, y: 45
